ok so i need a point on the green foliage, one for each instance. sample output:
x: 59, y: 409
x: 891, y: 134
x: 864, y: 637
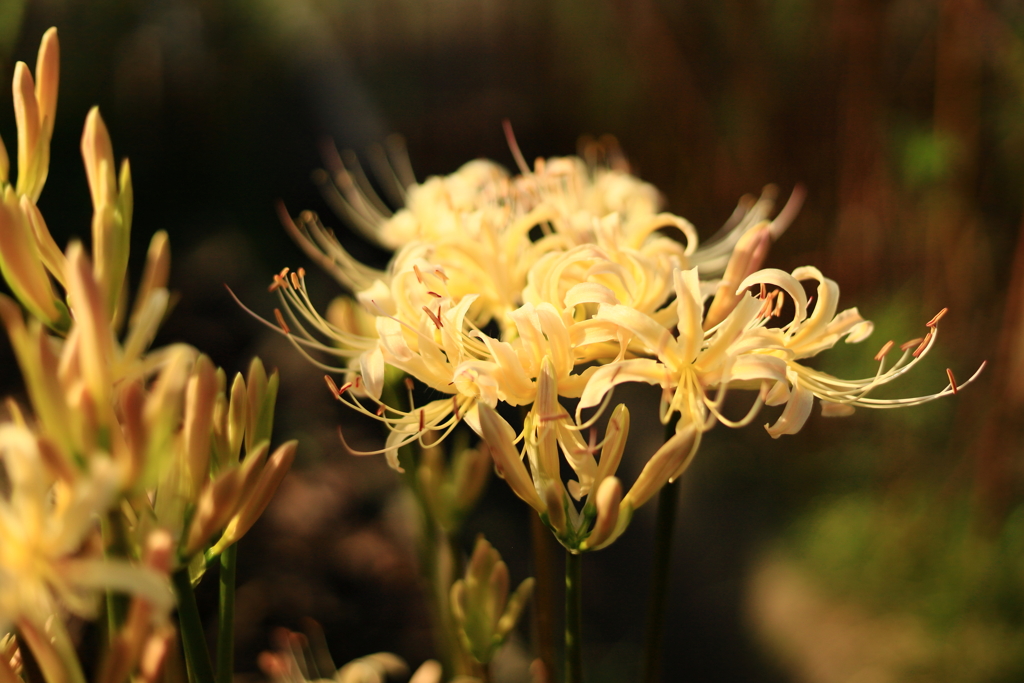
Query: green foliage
x: 921, y: 554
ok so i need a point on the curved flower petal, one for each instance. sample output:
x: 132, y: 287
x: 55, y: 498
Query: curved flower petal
x: 795, y: 414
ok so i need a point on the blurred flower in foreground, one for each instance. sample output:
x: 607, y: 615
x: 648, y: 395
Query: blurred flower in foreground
x: 298, y: 660
x: 130, y: 465
x: 51, y: 559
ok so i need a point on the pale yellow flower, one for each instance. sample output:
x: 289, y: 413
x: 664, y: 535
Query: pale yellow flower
x: 741, y: 351
x: 513, y: 240
x: 50, y: 557
x: 297, y: 660
x: 549, y: 431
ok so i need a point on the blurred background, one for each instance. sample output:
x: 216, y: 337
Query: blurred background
x: 888, y: 546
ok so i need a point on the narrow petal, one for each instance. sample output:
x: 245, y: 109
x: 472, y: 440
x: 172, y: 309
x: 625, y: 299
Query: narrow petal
x: 610, y: 376
x: 795, y: 414
x: 371, y: 366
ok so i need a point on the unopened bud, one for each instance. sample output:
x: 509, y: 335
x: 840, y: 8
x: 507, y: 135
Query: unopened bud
x: 554, y: 500
x: 262, y: 396
x: 199, y: 400
x: 217, y: 503
x: 607, y: 501
x: 22, y: 265
x: 253, y: 504
x: 500, y: 437
x: 614, y: 443
x: 483, y: 613
x: 238, y: 412
x: 472, y: 468
x: 665, y: 465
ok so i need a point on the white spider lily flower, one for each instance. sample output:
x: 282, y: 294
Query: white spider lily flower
x: 445, y: 353
x: 302, y: 659
x: 549, y: 433
x: 498, y: 237
x: 742, y: 351
x: 807, y: 335
x: 688, y: 365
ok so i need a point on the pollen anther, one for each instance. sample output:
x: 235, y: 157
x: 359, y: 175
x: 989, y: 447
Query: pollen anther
x: 433, y: 317
x: 907, y: 344
x: 938, y: 316
x: 924, y: 343
x: 952, y: 379
x: 280, y: 321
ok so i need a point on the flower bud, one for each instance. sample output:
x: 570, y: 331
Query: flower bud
x: 483, y: 613
x: 608, y: 500
x: 22, y: 264
x: 256, y: 499
x: 112, y: 208
x: 217, y: 503
x: 664, y: 466
x: 262, y: 395
x: 199, y: 400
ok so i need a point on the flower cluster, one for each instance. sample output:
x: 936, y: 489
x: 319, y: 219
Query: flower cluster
x: 129, y: 468
x: 563, y: 282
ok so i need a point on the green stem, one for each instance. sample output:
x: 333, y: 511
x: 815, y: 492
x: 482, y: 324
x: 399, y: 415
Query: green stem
x: 573, y: 618
x: 115, y: 533
x: 658, y: 599
x: 226, y: 622
x: 197, y: 657
x: 544, y: 593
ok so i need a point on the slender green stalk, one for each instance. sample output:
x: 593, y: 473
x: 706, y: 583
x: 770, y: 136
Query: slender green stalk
x: 226, y: 622
x: 115, y: 534
x: 658, y: 598
x: 197, y: 656
x: 544, y: 593
x: 573, y: 618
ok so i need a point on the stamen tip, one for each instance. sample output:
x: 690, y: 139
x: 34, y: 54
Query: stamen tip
x: 281, y: 322
x: 884, y: 350
x: 938, y: 316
